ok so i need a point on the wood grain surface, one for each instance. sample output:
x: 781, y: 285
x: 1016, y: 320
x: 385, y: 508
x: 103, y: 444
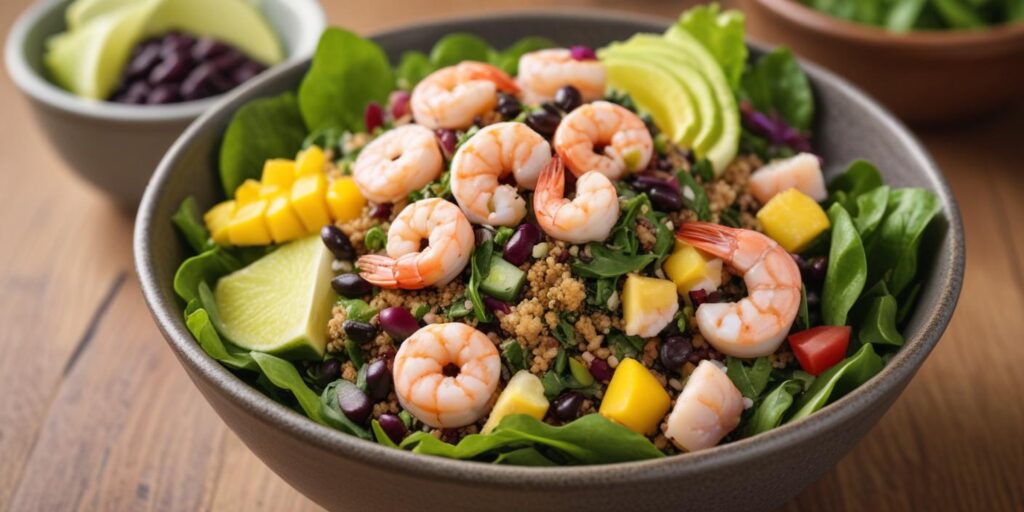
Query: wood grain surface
x: 96, y: 414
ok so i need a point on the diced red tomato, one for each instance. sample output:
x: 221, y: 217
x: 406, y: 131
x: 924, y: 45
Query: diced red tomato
x: 820, y: 348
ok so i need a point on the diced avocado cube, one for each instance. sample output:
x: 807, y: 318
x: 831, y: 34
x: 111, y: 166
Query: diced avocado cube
x: 793, y: 220
x: 504, y: 280
x: 635, y: 398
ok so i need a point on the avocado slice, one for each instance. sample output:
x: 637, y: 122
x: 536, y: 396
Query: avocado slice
x: 656, y: 91
x: 81, y: 12
x: 504, y: 280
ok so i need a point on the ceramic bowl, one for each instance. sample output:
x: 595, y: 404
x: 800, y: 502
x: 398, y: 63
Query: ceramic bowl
x: 112, y: 146
x: 342, y: 472
x: 924, y: 77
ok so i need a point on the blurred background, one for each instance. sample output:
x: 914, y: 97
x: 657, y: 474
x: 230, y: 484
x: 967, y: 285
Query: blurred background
x: 97, y: 415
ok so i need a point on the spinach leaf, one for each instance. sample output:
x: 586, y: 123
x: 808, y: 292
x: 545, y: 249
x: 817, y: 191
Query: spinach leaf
x: 324, y: 138
x: 524, y: 457
x: 859, y: 178
x: 624, y: 346
x: 623, y: 236
x: 847, y: 268
x: 870, y: 210
x: 777, y: 84
x: 903, y: 15
x: 607, y: 263
x: 357, y: 310
x: 769, y: 412
x: 354, y: 352
x: 694, y: 197
x: 262, y: 129
x: 838, y: 380
x: 751, y: 380
x: 508, y: 60
x: 957, y: 14
x: 893, y: 250
x: 190, y: 224
x: 515, y: 356
x: 206, y: 267
x: 480, y: 267
x: 803, y: 315
x: 380, y: 436
x: 331, y: 414
x: 555, y: 383
x: 722, y: 35
x: 412, y: 67
x: 201, y: 327
x: 565, y: 332
x: 591, y: 439
x: 284, y: 375
x: 460, y: 46
x: 347, y: 73
x: 879, y: 323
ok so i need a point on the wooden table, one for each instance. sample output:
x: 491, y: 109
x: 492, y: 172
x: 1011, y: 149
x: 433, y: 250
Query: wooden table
x: 96, y: 414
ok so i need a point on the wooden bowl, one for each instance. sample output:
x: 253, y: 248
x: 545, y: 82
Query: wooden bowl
x: 924, y: 77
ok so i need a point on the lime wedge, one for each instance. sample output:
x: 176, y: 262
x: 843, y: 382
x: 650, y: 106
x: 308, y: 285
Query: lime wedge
x: 281, y: 303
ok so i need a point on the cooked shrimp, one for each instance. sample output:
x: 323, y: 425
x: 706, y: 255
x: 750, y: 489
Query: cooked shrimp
x: 449, y: 239
x: 543, y: 72
x: 451, y: 97
x: 488, y: 156
x: 802, y: 172
x: 398, y: 162
x: 707, y: 409
x: 588, y: 217
x: 756, y: 325
x: 445, y: 374
x: 603, y: 137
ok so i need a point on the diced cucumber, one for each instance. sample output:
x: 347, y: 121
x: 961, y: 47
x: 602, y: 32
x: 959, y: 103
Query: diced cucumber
x: 504, y: 280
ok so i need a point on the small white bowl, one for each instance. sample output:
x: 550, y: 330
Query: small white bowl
x: 113, y: 146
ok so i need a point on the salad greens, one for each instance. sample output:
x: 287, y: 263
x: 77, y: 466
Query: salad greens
x: 847, y: 268
x: 260, y: 130
x: 838, y: 380
x: 906, y: 15
x: 722, y: 34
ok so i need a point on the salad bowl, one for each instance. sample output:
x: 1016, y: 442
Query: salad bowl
x: 342, y: 472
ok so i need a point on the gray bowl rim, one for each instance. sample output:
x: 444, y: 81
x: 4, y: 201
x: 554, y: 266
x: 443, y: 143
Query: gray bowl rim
x: 37, y: 87
x: 772, y: 443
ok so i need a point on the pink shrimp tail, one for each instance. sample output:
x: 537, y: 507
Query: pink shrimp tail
x: 550, y: 185
x: 385, y: 272
x: 483, y: 71
x: 714, y: 239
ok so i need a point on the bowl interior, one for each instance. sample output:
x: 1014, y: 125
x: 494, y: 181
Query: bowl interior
x: 296, y: 22
x: 848, y: 126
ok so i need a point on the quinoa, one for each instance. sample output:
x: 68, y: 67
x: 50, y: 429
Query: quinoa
x: 645, y: 233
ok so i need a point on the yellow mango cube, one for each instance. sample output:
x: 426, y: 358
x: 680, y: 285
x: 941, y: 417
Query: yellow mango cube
x: 308, y: 199
x: 524, y: 394
x: 635, y: 398
x: 278, y: 171
x: 248, y: 192
x: 217, y: 220
x: 648, y: 305
x: 793, y: 219
x: 344, y: 199
x: 282, y: 221
x: 691, y: 269
x: 269, y: 191
x: 310, y: 161
x: 248, y: 226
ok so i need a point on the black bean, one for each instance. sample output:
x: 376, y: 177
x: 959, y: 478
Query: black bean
x: 354, y: 403
x: 567, y: 406
x: 568, y: 98
x: 247, y: 71
x: 351, y: 286
x: 171, y: 69
x: 496, y: 305
x: 665, y: 199
x: 675, y: 351
x: 337, y: 242
x: 207, y: 48
x: 508, y: 106
x: 360, y: 332
x: 398, y: 322
x: 203, y: 81
x: 142, y: 63
x: 163, y: 94
x: 136, y: 94
x: 600, y: 370
x: 393, y: 426
x: 328, y: 372
x: 551, y: 108
x: 380, y: 210
x: 543, y: 122
x: 378, y: 380
x: 519, y: 247
x: 176, y: 41
x: 817, y: 269
x: 228, y: 61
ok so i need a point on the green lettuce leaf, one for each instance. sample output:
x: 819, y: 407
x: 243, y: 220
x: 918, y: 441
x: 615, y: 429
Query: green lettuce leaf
x: 838, y: 380
x: 722, y: 34
x: 776, y: 83
x: 262, y: 129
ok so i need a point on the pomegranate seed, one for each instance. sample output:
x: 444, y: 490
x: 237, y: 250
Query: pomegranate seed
x: 374, y: 116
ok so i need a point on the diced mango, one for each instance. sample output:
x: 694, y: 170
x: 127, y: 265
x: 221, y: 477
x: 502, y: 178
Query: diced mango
x: 344, y: 199
x: 278, y: 171
x: 691, y: 269
x: 248, y: 227
x: 308, y: 194
x: 524, y: 394
x: 282, y: 221
x: 268, y: 191
x: 248, y: 192
x: 310, y: 161
x: 793, y: 220
x: 648, y: 305
x: 217, y: 220
x: 635, y: 398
